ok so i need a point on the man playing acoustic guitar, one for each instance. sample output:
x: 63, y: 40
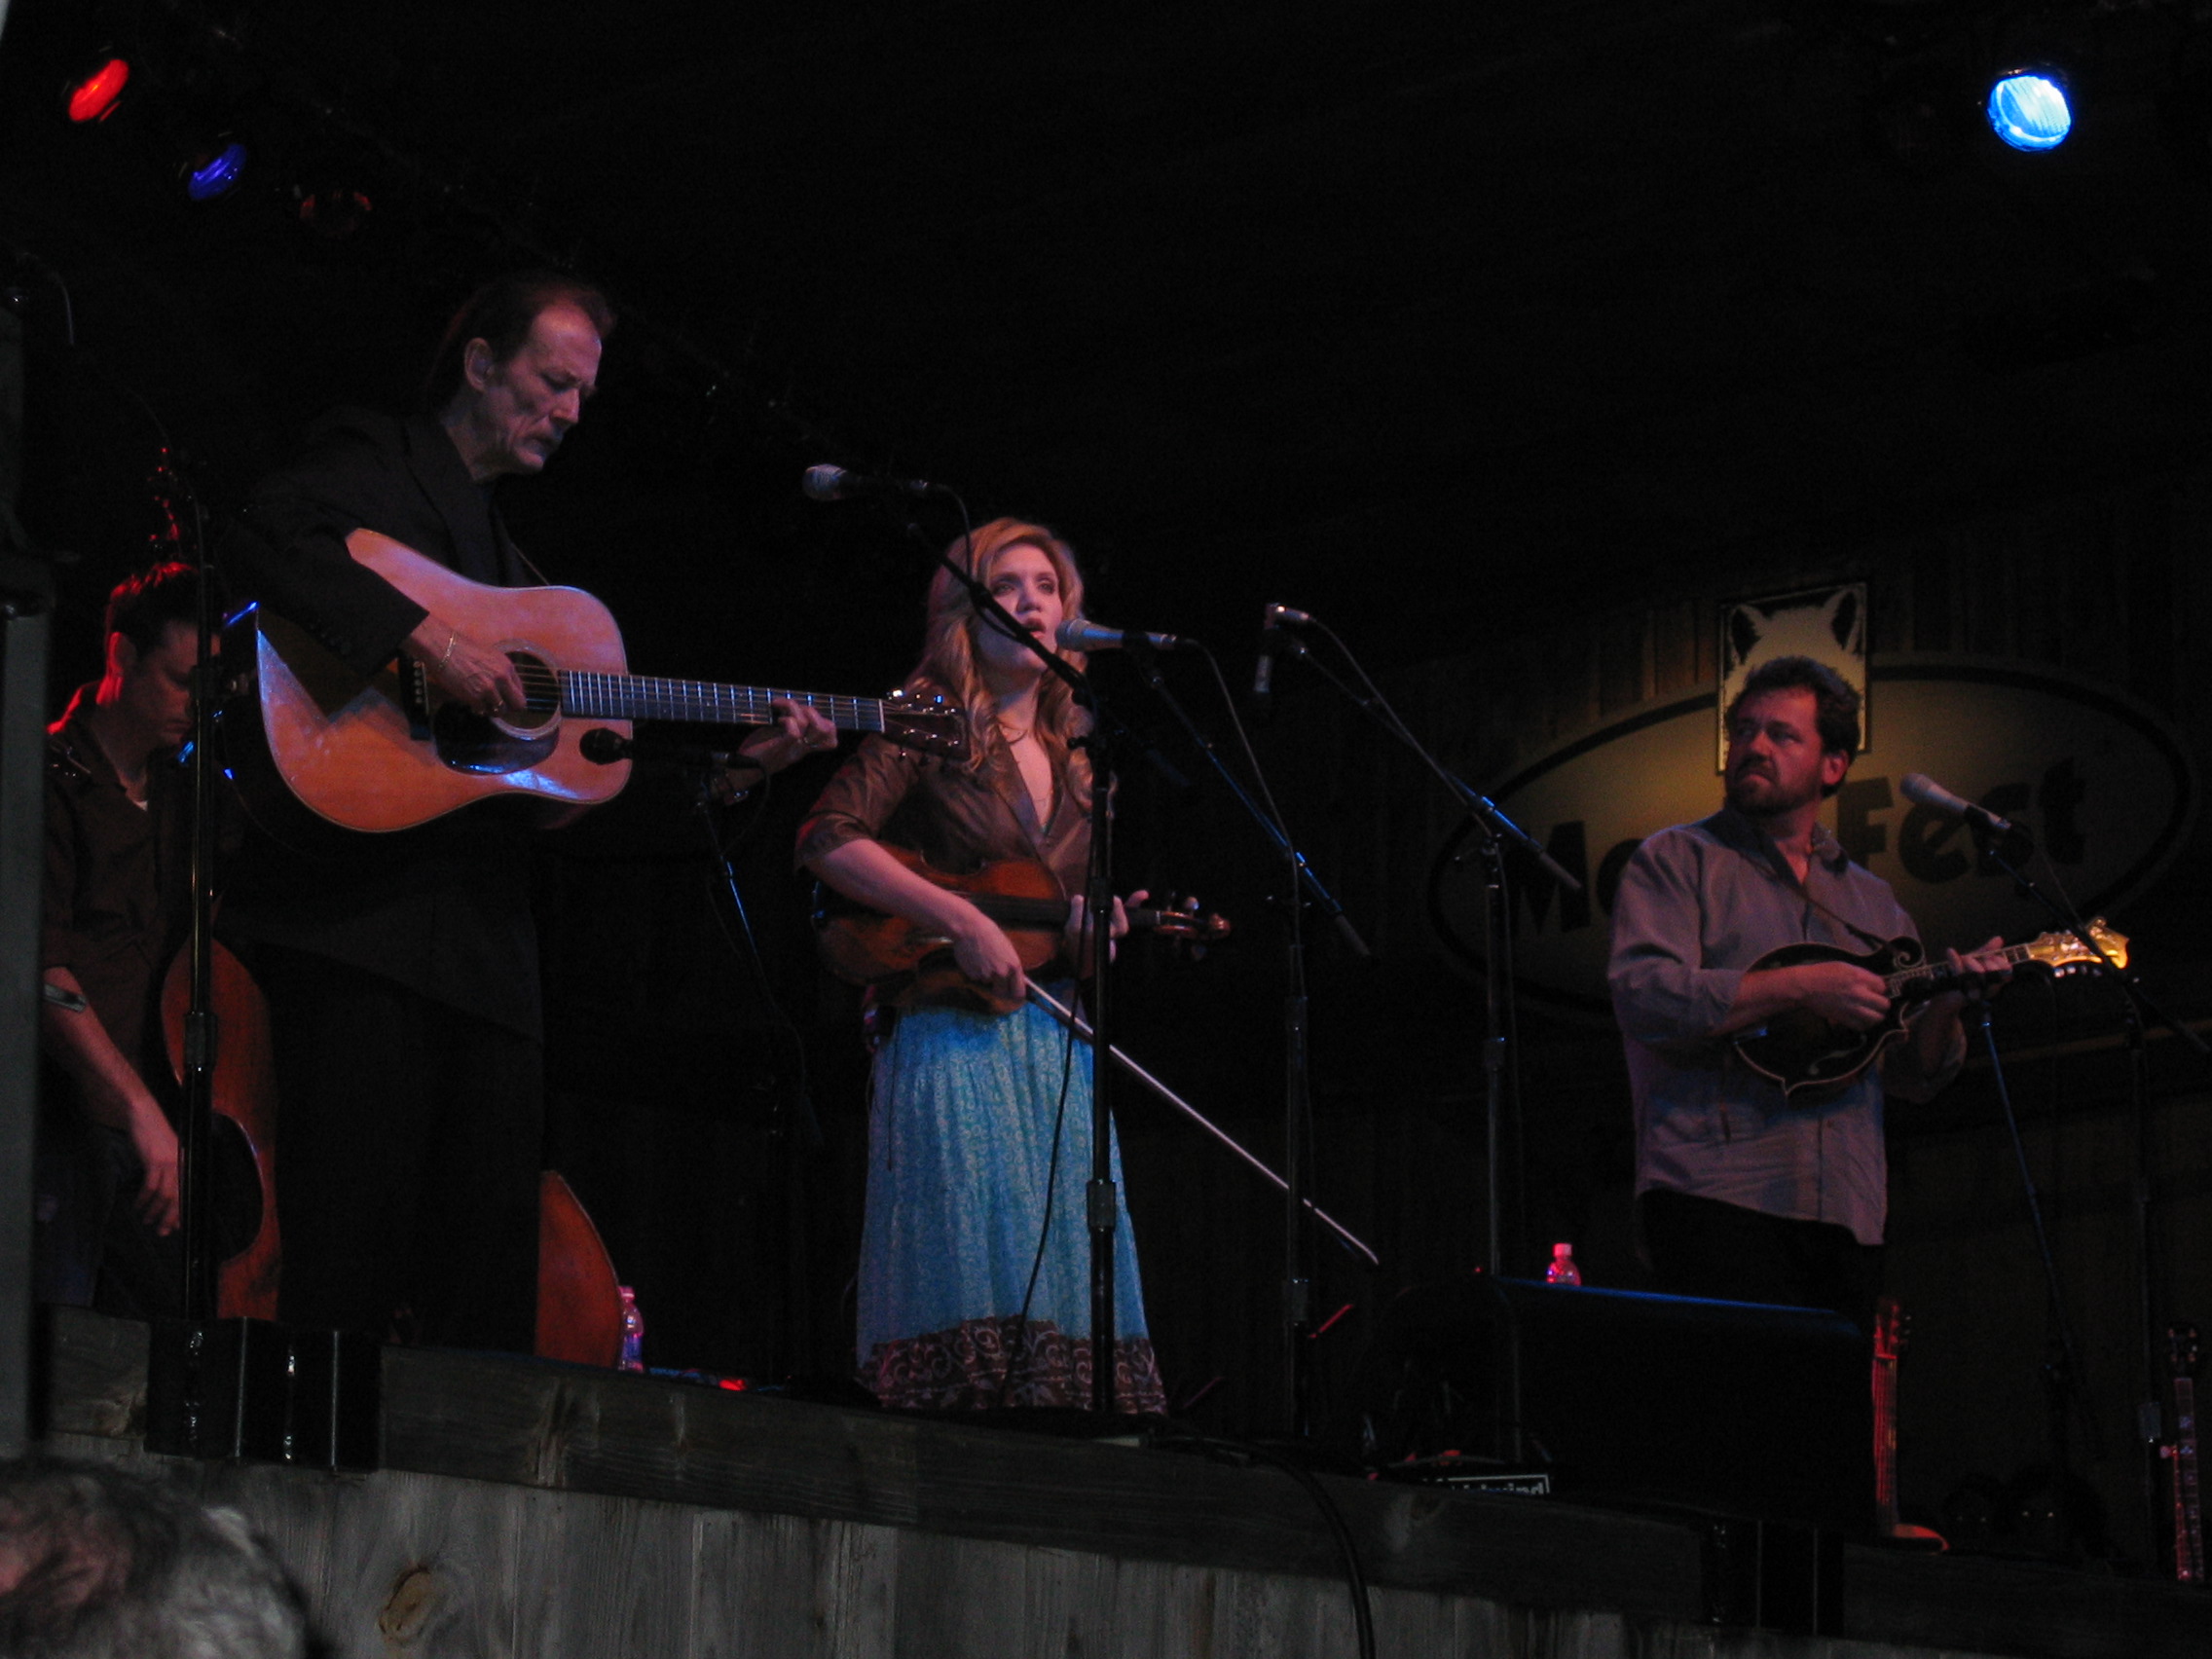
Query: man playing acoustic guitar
x: 402, y: 976
x: 1747, y: 1191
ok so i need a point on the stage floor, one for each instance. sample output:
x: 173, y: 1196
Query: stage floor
x: 531, y: 1508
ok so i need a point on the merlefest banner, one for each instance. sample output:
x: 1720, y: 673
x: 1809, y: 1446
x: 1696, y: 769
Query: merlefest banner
x: 2105, y: 785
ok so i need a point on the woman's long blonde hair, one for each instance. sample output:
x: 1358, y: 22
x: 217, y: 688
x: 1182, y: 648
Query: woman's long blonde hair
x: 949, y: 662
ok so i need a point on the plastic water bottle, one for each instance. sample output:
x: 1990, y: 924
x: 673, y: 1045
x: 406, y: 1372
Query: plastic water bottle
x: 1563, y: 1270
x: 633, y: 1331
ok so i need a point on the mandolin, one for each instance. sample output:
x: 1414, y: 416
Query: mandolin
x: 906, y: 963
x: 1802, y: 1051
x: 313, y: 745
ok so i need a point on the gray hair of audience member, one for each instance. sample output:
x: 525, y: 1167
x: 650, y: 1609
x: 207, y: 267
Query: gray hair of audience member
x: 99, y: 1563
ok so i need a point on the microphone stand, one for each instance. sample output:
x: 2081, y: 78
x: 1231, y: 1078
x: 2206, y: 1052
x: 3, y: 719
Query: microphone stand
x: 1298, y: 1086
x: 1495, y: 831
x: 201, y: 1036
x: 2006, y: 853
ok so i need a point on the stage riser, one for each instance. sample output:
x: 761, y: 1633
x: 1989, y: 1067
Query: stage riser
x: 429, y: 1564
x: 539, y: 1510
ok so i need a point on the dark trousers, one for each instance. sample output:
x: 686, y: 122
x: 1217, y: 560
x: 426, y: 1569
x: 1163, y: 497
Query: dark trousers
x: 1702, y: 1247
x: 89, y: 1248
x: 409, y: 1141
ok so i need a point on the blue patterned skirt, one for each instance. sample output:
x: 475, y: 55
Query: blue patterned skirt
x: 961, y: 1155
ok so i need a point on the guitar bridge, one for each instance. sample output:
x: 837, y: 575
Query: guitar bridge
x: 415, y: 698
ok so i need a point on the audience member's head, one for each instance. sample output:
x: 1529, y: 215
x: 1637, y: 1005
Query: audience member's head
x: 98, y: 1564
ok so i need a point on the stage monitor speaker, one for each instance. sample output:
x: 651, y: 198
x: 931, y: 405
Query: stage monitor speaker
x: 1724, y: 1407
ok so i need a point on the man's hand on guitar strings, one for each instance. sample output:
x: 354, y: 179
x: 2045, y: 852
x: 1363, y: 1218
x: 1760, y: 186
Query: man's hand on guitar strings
x: 800, y: 729
x: 466, y: 670
x: 1842, y: 993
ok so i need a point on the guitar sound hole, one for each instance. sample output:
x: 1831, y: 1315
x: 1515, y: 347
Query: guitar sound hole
x: 541, y: 685
x: 468, y: 742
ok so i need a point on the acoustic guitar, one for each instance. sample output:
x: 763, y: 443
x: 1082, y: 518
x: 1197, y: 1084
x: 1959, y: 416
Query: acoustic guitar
x: 1802, y: 1051
x: 314, y: 744
x: 906, y: 962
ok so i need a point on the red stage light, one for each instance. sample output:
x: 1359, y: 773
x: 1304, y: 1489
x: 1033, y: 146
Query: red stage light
x: 336, y: 211
x: 95, y: 97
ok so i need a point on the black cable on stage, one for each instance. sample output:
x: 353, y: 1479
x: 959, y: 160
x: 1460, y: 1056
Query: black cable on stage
x: 1020, y: 1349
x: 1348, y: 1550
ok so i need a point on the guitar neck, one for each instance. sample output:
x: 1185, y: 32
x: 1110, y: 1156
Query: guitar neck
x: 644, y: 697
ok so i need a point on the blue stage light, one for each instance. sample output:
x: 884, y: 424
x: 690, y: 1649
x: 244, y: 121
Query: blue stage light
x: 216, y: 173
x: 2029, y: 111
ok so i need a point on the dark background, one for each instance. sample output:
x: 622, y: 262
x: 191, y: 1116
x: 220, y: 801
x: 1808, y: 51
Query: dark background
x: 1473, y: 334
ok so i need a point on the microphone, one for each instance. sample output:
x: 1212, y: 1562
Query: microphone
x: 1264, y: 671
x: 1091, y: 637
x: 1927, y: 791
x: 1272, y: 621
x: 826, y: 483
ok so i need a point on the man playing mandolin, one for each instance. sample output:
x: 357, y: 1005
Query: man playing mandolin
x: 1747, y: 1190
x: 402, y: 976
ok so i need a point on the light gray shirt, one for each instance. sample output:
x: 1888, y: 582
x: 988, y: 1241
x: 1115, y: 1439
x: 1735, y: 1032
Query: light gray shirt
x: 1698, y: 905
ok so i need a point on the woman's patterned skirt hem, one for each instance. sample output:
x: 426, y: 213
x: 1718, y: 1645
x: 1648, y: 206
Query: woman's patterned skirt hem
x: 985, y: 1364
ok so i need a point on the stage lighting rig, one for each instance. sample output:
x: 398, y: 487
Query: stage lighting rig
x: 93, y: 95
x: 333, y: 209
x: 2029, y: 108
x: 211, y: 170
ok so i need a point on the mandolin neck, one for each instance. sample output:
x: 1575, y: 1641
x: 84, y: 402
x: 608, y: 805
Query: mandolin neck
x: 644, y: 697
x: 1909, y: 984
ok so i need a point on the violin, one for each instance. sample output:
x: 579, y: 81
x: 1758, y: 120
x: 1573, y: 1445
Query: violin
x: 910, y: 962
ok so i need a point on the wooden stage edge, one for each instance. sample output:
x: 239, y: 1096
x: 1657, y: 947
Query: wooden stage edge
x: 685, y: 1472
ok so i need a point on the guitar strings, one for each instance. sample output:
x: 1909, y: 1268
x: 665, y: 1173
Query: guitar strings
x: 623, y: 696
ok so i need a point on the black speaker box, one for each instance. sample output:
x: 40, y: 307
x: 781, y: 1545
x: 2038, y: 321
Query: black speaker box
x: 1764, y: 1413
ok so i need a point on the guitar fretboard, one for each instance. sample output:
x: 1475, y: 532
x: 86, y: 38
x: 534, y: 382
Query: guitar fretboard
x: 644, y: 697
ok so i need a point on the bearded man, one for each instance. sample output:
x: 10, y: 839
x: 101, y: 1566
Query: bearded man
x: 1746, y: 1193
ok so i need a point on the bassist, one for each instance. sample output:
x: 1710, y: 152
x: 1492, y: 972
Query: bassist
x: 1745, y: 1193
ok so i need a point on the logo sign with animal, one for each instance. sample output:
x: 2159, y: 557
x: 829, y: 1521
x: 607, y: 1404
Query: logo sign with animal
x: 1827, y: 624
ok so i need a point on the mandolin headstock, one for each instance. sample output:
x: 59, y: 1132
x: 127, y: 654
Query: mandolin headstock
x: 2062, y: 952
